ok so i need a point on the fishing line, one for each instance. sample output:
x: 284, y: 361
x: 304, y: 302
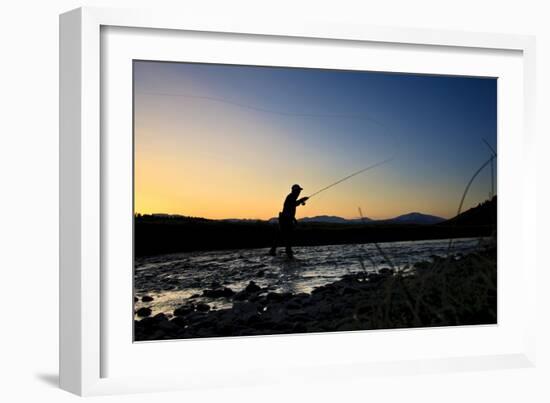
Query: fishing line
x: 286, y: 113
x: 266, y: 110
x: 352, y: 175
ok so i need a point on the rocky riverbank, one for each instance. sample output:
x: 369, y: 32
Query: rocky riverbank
x: 442, y: 292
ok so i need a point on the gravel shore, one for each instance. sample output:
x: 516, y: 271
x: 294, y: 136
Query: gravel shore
x: 442, y: 292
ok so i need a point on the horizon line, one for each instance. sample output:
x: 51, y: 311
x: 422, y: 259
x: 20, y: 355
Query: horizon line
x: 298, y: 218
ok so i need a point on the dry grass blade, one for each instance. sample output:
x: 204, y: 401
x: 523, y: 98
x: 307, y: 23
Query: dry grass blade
x: 462, y: 201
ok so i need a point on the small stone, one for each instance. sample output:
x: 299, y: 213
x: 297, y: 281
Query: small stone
x: 147, y: 323
x: 184, y: 310
x: 179, y: 321
x: 293, y: 305
x: 143, y: 312
x: 202, y: 307
x: 240, y: 296
x: 146, y: 298
x: 224, y: 292
x: 245, y: 310
x: 273, y: 296
x: 252, y: 287
x: 349, y: 290
x: 385, y: 271
x: 276, y: 297
x: 159, y: 317
x: 325, y: 308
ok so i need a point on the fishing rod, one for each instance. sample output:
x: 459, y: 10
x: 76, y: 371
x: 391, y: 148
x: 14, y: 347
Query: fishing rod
x: 352, y: 175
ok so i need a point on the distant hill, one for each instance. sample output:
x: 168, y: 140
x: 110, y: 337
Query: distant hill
x: 483, y: 214
x: 415, y: 218
x: 411, y: 218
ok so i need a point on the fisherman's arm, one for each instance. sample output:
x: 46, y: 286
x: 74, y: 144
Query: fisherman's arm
x: 301, y: 201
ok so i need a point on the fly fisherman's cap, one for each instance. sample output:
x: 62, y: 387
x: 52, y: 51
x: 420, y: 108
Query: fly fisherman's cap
x: 296, y: 187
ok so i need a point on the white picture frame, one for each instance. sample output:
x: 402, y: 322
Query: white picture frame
x: 87, y: 308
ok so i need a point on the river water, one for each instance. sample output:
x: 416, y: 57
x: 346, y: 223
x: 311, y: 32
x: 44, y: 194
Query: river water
x: 172, y: 279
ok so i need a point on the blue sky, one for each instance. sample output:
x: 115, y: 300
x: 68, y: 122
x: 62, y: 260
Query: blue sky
x: 244, y: 134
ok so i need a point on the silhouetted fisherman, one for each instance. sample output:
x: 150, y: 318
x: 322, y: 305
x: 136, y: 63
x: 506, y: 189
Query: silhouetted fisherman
x: 287, y: 221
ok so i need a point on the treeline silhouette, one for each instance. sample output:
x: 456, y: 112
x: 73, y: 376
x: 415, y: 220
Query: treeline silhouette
x: 160, y: 234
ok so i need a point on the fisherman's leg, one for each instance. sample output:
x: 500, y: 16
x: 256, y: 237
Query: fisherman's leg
x: 276, y: 241
x: 273, y: 250
x: 289, y: 252
x: 288, y: 243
